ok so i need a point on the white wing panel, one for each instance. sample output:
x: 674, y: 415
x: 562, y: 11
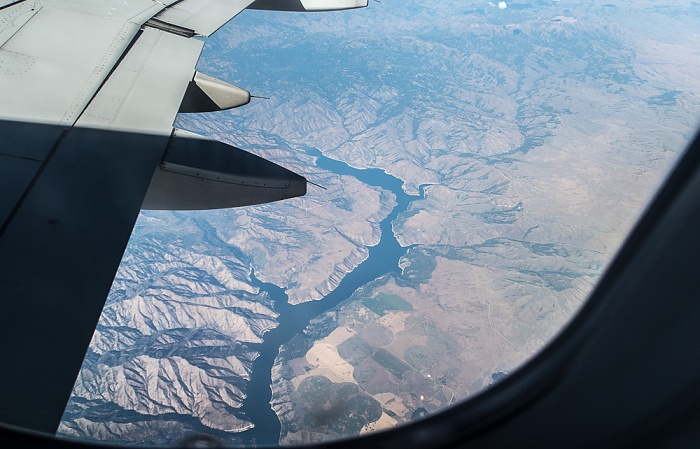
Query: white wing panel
x: 137, y: 11
x: 53, y: 65
x: 145, y: 91
x: 13, y: 19
x: 203, y: 16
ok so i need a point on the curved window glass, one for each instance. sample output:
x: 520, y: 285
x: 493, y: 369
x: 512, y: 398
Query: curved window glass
x: 476, y: 165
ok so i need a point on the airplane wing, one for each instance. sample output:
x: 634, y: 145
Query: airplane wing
x: 89, y: 91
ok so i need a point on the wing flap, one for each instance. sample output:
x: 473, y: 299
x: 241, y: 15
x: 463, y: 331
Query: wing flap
x: 22, y: 152
x: 145, y: 91
x: 18, y: 139
x: 68, y: 216
x: 59, y: 253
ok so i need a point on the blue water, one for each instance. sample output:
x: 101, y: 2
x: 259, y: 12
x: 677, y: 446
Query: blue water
x: 383, y: 258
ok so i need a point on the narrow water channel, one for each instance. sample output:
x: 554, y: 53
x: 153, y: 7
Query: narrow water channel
x: 383, y: 258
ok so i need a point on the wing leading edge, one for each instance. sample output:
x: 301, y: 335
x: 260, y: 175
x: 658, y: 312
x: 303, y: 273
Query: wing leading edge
x: 89, y: 93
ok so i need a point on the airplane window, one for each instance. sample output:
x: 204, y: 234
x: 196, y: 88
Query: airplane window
x: 476, y: 165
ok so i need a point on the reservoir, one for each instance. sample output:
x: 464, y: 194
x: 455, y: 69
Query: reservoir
x: 383, y: 258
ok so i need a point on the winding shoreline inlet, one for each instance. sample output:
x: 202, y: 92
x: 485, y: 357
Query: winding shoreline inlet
x: 382, y: 259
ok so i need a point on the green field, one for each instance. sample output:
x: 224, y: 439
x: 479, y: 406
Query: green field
x: 383, y: 302
x: 389, y: 361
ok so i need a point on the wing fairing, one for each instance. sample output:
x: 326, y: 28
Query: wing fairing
x: 208, y: 94
x: 199, y: 173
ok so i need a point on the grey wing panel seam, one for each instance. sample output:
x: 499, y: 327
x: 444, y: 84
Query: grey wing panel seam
x: 98, y: 78
x: 8, y: 33
x: 145, y: 91
x: 28, y: 189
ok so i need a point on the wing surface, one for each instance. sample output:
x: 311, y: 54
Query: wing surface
x: 59, y: 251
x: 89, y: 90
x: 204, y: 17
x: 73, y: 185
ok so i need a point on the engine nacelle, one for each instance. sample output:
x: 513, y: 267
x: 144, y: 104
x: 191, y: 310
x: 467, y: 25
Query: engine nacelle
x: 208, y: 94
